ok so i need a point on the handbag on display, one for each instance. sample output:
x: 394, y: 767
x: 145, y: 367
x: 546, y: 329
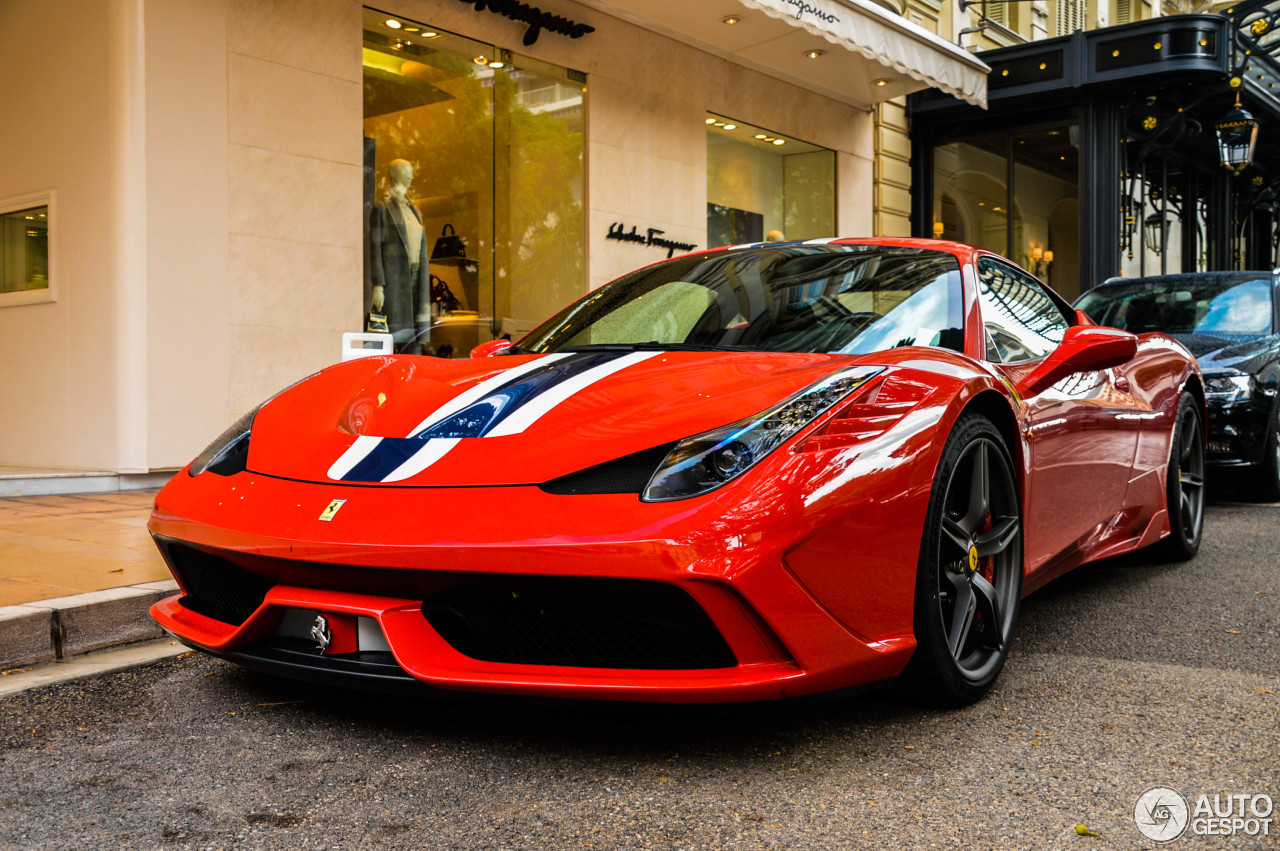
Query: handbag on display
x: 449, y: 247
x: 442, y: 297
x: 376, y: 323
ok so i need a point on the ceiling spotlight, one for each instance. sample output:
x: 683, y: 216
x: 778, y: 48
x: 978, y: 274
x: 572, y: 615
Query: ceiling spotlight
x: 761, y: 136
x: 398, y: 45
x: 813, y: 54
x: 429, y: 35
x: 880, y: 82
x: 779, y: 141
x: 711, y: 121
x: 481, y: 60
x: 393, y: 23
x: 411, y: 29
x: 720, y: 124
x: 731, y: 127
x: 495, y: 64
x: 730, y: 20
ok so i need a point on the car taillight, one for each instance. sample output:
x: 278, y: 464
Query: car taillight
x: 869, y: 415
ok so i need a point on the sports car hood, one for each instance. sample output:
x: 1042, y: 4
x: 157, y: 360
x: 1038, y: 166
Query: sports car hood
x: 1219, y: 353
x: 419, y: 421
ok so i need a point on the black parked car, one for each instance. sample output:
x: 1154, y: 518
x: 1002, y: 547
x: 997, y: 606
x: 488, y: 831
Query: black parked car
x: 1231, y: 322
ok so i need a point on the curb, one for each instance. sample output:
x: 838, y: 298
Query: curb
x: 90, y: 665
x: 58, y: 629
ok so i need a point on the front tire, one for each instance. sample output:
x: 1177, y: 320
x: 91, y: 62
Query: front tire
x: 969, y: 576
x: 1269, y: 483
x: 1184, y: 484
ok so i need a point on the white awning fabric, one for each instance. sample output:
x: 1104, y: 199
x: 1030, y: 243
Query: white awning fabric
x: 880, y: 35
x: 867, y: 54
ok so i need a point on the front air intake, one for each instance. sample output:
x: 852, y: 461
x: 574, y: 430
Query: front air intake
x: 578, y: 622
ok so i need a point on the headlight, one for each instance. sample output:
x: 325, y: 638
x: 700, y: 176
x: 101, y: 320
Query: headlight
x: 706, y: 461
x: 1228, y: 388
x: 229, y: 451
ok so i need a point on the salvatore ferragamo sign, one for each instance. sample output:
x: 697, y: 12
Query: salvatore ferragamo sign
x: 652, y: 236
x: 537, y: 19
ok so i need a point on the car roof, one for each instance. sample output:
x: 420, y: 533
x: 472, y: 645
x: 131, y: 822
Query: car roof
x: 1192, y: 277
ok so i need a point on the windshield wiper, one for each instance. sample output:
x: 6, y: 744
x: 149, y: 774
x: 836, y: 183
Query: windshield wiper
x: 650, y: 346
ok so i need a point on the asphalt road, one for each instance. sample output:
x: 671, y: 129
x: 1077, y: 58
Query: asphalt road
x: 1124, y: 675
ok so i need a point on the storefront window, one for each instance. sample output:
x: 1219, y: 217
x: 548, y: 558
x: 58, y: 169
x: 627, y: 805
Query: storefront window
x: 1030, y: 213
x: 971, y: 192
x: 763, y: 186
x: 474, y: 181
x: 1046, y: 194
x: 24, y: 251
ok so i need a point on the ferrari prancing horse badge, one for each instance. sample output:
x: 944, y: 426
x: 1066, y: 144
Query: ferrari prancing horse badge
x: 329, y: 512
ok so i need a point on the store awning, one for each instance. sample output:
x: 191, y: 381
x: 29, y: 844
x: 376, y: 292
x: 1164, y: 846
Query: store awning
x: 864, y: 53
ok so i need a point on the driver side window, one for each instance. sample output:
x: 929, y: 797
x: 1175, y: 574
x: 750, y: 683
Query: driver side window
x: 1021, y: 320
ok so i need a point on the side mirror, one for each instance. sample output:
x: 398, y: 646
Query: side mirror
x: 1084, y: 348
x: 491, y: 348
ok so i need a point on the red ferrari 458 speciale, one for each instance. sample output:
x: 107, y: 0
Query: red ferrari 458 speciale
x: 741, y: 474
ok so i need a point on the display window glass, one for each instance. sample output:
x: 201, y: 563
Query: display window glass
x: 766, y: 187
x: 1015, y: 193
x: 24, y: 253
x: 473, y: 191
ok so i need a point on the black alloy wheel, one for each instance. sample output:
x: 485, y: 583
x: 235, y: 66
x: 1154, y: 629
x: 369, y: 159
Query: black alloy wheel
x: 1269, y: 483
x: 969, y: 579
x: 1184, y: 484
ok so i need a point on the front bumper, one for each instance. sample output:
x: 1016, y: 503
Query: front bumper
x: 387, y: 551
x: 1238, y: 431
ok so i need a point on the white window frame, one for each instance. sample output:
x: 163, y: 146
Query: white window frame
x: 26, y: 202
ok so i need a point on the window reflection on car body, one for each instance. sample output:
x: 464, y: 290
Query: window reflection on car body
x: 649, y: 345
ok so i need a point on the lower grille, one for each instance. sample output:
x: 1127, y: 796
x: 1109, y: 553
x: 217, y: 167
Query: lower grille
x: 587, y: 623
x: 215, y: 587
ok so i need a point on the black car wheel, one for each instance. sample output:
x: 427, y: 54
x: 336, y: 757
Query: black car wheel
x: 1269, y: 482
x: 1184, y: 484
x: 969, y: 578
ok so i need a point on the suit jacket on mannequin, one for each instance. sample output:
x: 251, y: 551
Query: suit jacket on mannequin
x: 406, y: 292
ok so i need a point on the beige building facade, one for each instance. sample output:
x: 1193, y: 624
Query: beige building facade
x: 202, y: 171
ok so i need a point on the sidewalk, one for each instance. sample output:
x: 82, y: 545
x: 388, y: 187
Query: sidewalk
x: 77, y: 573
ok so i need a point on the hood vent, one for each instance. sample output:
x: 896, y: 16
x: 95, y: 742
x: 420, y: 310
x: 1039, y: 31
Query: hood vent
x: 628, y: 474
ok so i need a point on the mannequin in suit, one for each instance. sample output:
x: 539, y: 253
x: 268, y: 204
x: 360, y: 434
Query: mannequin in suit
x: 398, y: 260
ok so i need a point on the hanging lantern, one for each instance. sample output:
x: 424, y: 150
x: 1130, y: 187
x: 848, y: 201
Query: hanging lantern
x: 1237, y: 137
x: 1153, y: 230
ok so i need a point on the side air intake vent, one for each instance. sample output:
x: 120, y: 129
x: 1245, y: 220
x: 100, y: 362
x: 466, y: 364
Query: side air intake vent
x: 215, y: 587
x: 628, y: 474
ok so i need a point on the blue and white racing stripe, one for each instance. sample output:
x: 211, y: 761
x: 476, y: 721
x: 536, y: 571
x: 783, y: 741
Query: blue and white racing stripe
x: 503, y: 405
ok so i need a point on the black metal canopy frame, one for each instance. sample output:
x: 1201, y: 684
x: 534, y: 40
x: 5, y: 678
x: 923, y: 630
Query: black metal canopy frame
x: 1156, y: 124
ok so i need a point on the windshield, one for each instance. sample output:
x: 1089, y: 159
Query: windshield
x: 850, y: 299
x: 1233, y: 307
